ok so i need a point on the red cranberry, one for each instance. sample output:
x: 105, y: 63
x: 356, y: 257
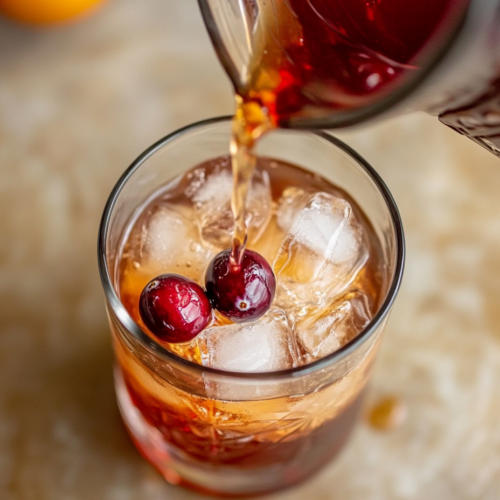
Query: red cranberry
x: 174, y: 308
x: 241, y: 292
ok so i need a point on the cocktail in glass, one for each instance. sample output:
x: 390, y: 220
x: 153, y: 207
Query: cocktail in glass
x: 234, y: 433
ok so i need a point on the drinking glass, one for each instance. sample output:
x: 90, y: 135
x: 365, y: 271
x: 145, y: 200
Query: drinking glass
x: 242, y: 434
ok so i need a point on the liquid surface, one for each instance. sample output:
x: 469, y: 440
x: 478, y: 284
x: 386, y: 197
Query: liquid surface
x: 321, y: 246
x: 312, y: 58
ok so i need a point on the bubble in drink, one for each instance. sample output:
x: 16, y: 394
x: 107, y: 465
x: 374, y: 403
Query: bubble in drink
x: 158, y: 252
x: 265, y: 345
x: 211, y: 196
x: 327, y: 331
x: 320, y: 256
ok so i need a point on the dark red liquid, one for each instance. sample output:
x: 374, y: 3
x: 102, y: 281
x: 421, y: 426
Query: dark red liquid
x: 191, y: 434
x: 301, y: 457
x: 341, y: 54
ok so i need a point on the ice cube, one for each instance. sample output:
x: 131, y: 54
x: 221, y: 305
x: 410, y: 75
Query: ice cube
x: 292, y: 201
x: 170, y: 243
x: 211, y: 196
x: 333, y: 327
x: 265, y: 345
x: 320, y: 257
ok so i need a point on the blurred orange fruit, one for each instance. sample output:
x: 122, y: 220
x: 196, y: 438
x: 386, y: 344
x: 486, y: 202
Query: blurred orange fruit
x: 45, y: 11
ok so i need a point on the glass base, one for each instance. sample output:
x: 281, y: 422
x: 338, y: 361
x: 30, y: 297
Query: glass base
x: 218, y: 480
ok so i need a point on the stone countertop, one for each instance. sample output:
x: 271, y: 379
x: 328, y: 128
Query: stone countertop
x: 77, y: 105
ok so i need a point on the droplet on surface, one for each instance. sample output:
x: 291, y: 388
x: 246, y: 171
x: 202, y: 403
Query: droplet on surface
x: 387, y: 413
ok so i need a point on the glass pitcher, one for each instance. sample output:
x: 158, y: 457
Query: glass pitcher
x: 338, y: 63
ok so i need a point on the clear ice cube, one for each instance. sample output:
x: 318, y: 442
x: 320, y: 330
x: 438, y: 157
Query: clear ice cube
x: 321, y: 255
x: 211, y: 196
x: 265, y: 345
x: 170, y: 243
x: 327, y: 331
x: 290, y: 204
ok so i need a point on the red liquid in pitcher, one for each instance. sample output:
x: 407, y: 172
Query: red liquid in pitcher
x: 313, y: 57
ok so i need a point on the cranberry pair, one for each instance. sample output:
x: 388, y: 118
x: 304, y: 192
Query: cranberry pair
x: 176, y: 309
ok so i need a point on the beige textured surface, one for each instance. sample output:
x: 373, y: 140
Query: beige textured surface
x: 77, y: 104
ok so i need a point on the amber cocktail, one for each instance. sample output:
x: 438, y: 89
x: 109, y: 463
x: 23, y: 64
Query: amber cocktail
x: 254, y: 407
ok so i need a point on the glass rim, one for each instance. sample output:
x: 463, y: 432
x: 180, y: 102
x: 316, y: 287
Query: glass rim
x: 158, y: 350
